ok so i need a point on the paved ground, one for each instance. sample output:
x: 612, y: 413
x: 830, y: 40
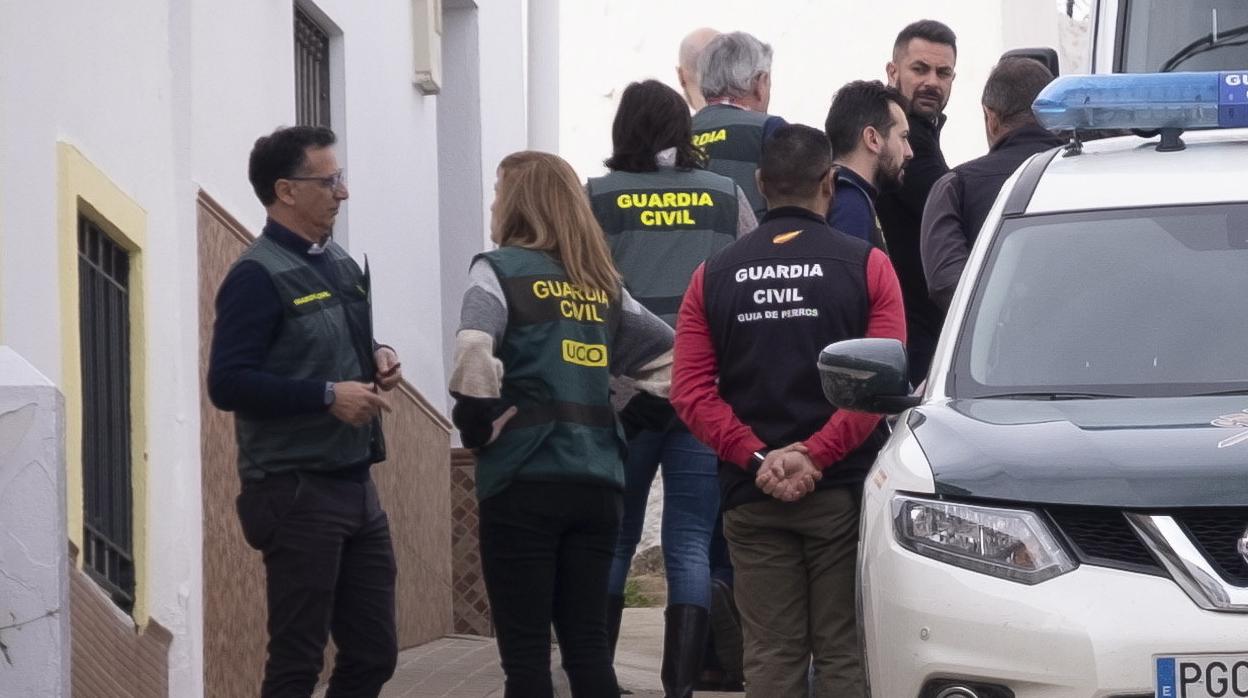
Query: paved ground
x: 467, y: 667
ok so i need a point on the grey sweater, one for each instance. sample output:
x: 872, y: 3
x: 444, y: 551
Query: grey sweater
x: 641, y: 354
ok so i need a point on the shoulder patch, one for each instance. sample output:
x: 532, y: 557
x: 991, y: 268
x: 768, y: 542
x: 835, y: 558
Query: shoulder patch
x: 785, y: 237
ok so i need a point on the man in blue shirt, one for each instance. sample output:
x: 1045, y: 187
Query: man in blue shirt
x: 868, y: 129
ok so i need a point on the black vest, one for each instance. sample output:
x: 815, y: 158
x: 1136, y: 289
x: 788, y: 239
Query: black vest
x: 732, y: 139
x: 661, y: 226
x: 979, y: 181
x: 774, y: 299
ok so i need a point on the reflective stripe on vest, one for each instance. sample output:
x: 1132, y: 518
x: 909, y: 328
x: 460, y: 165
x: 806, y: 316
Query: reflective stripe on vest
x: 314, y: 342
x: 733, y: 141
x: 661, y: 225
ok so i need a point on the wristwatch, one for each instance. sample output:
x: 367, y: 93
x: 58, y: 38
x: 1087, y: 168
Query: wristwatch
x: 329, y: 394
x: 757, y: 458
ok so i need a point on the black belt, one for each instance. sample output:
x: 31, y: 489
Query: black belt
x: 575, y: 413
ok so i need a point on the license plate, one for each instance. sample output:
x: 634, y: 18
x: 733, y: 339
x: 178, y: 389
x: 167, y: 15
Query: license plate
x: 1202, y: 676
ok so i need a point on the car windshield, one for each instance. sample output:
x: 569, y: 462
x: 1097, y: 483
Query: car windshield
x: 1139, y: 303
x: 1167, y: 35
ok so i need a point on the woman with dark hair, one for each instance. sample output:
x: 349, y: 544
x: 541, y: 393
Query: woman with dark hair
x: 545, y: 324
x: 663, y: 216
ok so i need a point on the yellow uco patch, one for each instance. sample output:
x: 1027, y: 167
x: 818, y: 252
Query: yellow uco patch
x: 592, y: 355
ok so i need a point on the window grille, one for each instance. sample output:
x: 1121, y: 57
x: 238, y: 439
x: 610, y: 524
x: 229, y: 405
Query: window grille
x: 104, y: 324
x: 311, y: 72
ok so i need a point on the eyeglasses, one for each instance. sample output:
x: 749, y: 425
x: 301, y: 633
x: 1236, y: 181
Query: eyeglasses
x: 333, y: 181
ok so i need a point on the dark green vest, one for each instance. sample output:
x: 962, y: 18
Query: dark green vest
x: 556, y: 354
x: 324, y: 336
x: 661, y: 226
x: 733, y: 140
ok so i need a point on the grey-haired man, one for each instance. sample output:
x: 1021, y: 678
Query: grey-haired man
x: 735, y: 74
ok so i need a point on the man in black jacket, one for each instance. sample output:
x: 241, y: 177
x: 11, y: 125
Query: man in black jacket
x: 922, y: 69
x: 960, y: 201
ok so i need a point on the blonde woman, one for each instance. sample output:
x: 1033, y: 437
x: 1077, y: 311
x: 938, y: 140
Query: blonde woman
x: 545, y: 324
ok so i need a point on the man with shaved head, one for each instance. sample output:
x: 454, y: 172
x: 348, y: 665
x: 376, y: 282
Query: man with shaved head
x: 687, y: 72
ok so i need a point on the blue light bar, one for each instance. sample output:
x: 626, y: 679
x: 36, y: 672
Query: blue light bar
x: 1145, y: 101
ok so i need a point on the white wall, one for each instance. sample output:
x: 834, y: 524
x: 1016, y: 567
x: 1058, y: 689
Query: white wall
x: 34, y: 590
x: 461, y: 218
x: 111, y: 84
x: 391, y: 132
x: 166, y: 98
x: 819, y: 46
x: 389, y: 144
x: 482, y: 117
x: 501, y: 30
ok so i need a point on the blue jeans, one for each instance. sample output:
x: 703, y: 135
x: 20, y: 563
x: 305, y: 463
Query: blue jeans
x: 690, y: 505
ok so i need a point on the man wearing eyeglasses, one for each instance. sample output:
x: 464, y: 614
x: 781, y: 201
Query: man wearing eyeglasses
x: 294, y: 358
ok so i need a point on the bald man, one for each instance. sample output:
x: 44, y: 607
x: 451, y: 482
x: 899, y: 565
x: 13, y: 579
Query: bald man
x: 687, y: 72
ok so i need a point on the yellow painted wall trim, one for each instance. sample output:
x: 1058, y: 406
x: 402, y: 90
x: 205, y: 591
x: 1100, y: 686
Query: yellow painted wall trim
x: 82, y: 188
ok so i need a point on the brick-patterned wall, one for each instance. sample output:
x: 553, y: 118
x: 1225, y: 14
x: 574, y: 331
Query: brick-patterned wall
x: 413, y: 484
x: 472, y: 607
x: 109, y: 658
x: 234, y: 610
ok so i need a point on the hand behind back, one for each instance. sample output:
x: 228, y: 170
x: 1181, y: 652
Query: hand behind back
x: 788, y: 474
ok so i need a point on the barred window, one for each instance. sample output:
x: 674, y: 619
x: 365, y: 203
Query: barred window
x: 104, y: 324
x: 311, y: 72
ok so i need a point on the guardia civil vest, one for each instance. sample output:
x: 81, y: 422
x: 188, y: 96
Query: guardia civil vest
x: 661, y: 225
x: 774, y: 299
x: 733, y: 141
x: 556, y: 354
x: 324, y: 335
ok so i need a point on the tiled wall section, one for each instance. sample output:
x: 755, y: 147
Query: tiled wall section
x: 413, y: 484
x: 472, y: 608
x: 110, y: 659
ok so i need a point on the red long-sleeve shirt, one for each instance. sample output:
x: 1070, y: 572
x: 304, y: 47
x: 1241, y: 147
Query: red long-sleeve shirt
x: 695, y: 393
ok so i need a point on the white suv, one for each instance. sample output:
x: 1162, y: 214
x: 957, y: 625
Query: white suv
x: 1064, y: 510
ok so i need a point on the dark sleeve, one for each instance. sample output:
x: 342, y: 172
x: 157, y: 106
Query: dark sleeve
x: 249, y: 315
x: 640, y: 339
x: 646, y: 412
x: 771, y: 124
x: 847, y: 430
x: 695, y: 384
x: 943, y: 241
x: 851, y: 213
x: 927, y: 166
x: 474, y: 418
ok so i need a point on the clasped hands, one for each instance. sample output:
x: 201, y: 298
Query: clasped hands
x: 788, y: 473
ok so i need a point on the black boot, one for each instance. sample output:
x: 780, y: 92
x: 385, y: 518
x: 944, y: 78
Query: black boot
x: 684, y: 637
x: 615, y: 611
x: 726, y: 631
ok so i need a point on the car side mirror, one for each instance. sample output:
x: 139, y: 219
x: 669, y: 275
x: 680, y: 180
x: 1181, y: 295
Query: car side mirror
x: 867, y: 375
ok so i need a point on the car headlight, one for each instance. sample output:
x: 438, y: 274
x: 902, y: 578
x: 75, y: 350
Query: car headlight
x: 1012, y: 544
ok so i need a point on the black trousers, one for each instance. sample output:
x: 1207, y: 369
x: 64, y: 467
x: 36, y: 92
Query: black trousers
x: 546, y: 552
x: 330, y: 568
